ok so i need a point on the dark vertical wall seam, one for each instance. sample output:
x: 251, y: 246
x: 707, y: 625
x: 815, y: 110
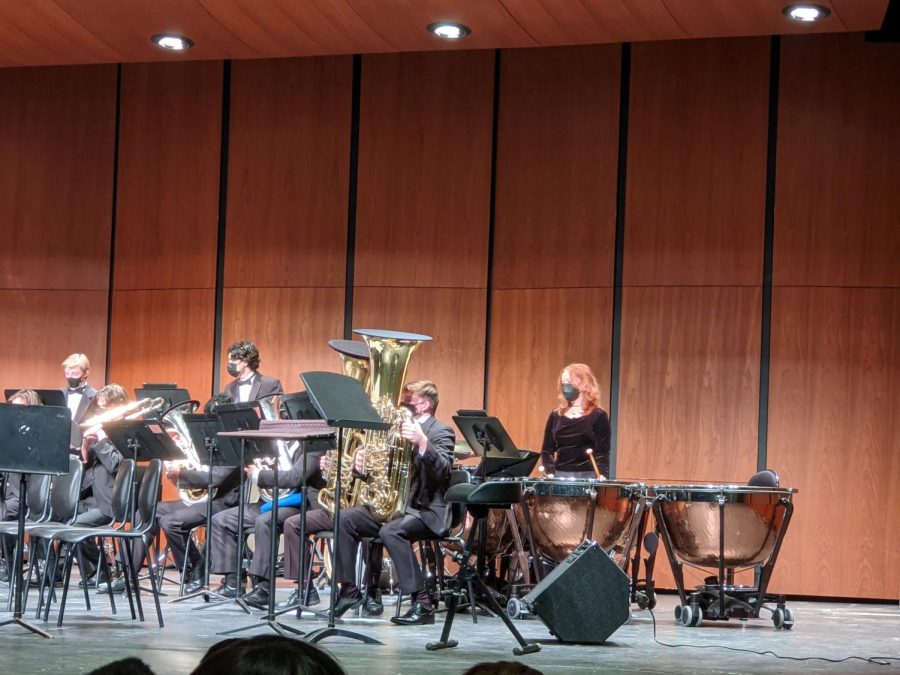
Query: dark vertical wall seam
x: 223, y: 213
x: 768, y: 256
x: 112, y: 232
x: 349, y: 279
x: 495, y: 126
x: 621, y: 172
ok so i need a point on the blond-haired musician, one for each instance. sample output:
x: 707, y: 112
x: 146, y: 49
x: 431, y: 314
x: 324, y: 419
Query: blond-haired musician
x: 79, y: 394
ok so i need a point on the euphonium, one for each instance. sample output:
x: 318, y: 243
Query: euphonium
x: 388, y: 458
x: 271, y: 410
x: 354, y: 363
x: 173, y: 422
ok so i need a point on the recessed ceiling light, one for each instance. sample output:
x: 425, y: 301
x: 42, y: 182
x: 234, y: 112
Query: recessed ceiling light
x: 449, y: 30
x: 175, y: 43
x: 806, y: 13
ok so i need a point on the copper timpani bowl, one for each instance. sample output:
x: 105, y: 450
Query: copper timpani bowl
x: 752, y: 516
x: 565, y: 511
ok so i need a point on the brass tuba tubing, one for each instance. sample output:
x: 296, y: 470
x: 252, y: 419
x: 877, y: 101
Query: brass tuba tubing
x: 388, y: 458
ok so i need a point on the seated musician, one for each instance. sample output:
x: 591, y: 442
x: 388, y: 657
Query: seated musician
x: 79, y: 394
x: 322, y: 520
x: 224, y: 538
x: 248, y: 384
x: 101, y: 462
x: 576, y: 426
x: 9, y: 487
x: 176, y: 518
x: 427, y: 514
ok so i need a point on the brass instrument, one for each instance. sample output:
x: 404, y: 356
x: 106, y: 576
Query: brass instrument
x: 388, y: 457
x: 174, y: 424
x: 127, y: 411
x: 354, y: 363
x: 271, y: 410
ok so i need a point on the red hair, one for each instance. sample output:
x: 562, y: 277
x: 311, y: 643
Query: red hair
x: 582, y: 377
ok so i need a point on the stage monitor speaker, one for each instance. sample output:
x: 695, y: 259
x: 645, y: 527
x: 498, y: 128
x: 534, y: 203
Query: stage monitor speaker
x: 584, y: 599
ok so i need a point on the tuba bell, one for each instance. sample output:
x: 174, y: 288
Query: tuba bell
x: 388, y: 457
x: 354, y: 363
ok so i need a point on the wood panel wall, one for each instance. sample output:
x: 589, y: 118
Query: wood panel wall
x: 286, y: 237
x: 424, y: 210
x: 692, y: 265
x: 57, y: 139
x: 554, y: 234
x: 836, y: 328
x: 456, y: 154
x: 166, y: 225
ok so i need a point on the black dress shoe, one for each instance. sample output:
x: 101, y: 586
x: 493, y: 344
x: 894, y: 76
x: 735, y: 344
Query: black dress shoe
x: 346, y: 603
x: 226, y: 591
x: 258, y: 597
x: 294, y: 599
x: 418, y: 615
x: 373, y: 605
x: 118, y: 585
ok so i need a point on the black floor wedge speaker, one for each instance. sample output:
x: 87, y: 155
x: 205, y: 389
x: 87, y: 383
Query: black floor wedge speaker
x: 584, y: 599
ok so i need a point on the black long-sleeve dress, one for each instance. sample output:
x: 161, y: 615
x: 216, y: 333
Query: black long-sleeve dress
x: 567, y: 438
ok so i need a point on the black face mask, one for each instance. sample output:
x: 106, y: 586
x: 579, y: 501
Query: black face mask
x: 233, y: 370
x: 73, y: 382
x: 570, y: 392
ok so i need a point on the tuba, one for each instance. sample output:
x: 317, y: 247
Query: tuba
x: 354, y: 363
x: 271, y: 410
x: 174, y: 424
x: 389, y: 458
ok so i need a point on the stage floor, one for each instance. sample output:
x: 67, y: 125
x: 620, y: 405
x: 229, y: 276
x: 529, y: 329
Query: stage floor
x: 832, y: 630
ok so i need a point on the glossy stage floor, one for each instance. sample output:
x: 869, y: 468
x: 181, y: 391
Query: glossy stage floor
x: 832, y: 630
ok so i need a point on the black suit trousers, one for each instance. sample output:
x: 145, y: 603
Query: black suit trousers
x: 397, y: 537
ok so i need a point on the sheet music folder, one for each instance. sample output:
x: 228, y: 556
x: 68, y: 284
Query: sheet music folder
x: 342, y: 401
x: 142, y: 440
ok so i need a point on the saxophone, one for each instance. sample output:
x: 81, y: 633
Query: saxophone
x: 354, y: 363
x: 388, y: 457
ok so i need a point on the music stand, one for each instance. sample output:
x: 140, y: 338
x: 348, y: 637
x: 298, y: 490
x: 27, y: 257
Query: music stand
x: 204, y: 431
x: 54, y: 397
x: 299, y: 407
x: 171, y: 393
x: 35, y: 440
x: 343, y: 403
x: 274, y: 430
x: 489, y: 439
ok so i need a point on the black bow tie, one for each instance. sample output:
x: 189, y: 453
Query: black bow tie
x: 76, y: 390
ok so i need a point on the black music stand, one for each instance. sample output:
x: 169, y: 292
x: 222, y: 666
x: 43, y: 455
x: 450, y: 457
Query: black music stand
x: 274, y: 431
x: 203, y: 430
x: 299, y: 407
x: 35, y: 440
x: 489, y: 439
x: 342, y: 403
x: 142, y: 440
x: 171, y: 393
x: 54, y: 397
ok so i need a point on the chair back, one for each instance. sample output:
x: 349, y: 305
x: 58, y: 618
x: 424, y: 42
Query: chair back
x: 121, y: 497
x: 65, y: 492
x: 458, y: 509
x: 37, y: 497
x: 767, y: 478
x: 148, y: 495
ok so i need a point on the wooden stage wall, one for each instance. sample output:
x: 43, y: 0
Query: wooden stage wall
x: 522, y: 211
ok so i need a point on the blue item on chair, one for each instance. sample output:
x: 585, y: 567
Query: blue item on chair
x: 293, y: 499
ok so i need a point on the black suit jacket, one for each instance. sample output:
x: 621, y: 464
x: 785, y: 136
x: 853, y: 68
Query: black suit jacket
x: 263, y: 385
x: 431, y: 477
x: 100, y: 476
x: 85, y: 405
